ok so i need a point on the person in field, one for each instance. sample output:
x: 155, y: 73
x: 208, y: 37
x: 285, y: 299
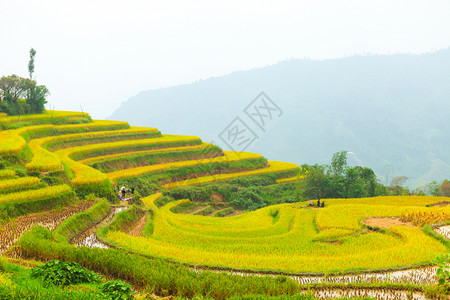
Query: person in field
x: 318, y: 203
x: 123, y: 190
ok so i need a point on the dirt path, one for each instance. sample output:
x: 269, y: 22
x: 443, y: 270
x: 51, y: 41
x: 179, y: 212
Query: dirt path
x: 88, y: 236
x: 11, y: 231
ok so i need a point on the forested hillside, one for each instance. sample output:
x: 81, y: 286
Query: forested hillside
x: 386, y: 109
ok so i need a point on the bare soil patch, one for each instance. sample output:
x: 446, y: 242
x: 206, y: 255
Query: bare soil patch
x: 138, y: 227
x: 386, y: 222
x: 11, y: 231
x: 218, y: 198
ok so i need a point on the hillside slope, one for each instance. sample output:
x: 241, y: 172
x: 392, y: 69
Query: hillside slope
x: 386, y: 109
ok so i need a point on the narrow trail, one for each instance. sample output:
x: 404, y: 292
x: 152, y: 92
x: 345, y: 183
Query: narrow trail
x: 88, y: 237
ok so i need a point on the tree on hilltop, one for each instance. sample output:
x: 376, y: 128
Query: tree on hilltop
x: 22, y: 95
x: 31, y: 63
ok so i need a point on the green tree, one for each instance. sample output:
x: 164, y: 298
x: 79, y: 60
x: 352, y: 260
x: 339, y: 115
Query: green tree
x: 35, y: 97
x: 444, y: 189
x: 432, y: 188
x: 317, y: 183
x: 31, y: 63
x: 397, y: 188
x: 339, y: 163
x: 14, y: 88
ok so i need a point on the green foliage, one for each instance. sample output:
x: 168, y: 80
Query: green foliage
x: 147, y: 184
x: 224, y: 212
x: 101, y: 190
x: 340, y: 181
x: 117, y: 290
x: 443, y: 274
x: 162, y: 278
x: 64, y: 273
x: 339, y: 162
x: 14, y: 88
x: 245, y: 193
x: 162, y: 201
x: 443, y: 271
x: 206, y: 211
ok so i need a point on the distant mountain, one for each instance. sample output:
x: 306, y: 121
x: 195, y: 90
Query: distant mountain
x: 385, y: 109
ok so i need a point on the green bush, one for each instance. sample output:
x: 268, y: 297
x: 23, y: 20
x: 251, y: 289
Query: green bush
x: 118, y: 289
x: 64, y: 273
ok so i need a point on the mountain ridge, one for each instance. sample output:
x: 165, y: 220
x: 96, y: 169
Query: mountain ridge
x: 387, y: 109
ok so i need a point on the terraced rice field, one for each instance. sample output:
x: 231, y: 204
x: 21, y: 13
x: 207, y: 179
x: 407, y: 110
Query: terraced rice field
x: 59, y: 155
x: 291, y: 238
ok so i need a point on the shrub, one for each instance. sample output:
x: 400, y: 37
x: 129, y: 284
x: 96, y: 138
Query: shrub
x: 117, y: 289
x: 64, y: 273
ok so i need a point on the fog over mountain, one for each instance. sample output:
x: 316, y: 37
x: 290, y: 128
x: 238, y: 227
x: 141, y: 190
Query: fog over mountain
x: 384, y: 109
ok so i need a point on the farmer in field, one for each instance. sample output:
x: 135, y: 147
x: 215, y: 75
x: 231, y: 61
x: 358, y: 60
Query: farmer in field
x: 123, y: 190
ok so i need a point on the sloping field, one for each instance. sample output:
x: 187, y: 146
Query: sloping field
x: 51, y: 161
x: 285, y: 237
x: 228, y: 156
x: 45, y: 160
x: 275, y: 167
x: 134, y: 154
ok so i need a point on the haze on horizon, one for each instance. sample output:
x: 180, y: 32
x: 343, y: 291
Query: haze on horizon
x: 97, y: 54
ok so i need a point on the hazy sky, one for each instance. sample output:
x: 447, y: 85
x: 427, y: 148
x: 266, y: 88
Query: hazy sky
x: 98, y: 53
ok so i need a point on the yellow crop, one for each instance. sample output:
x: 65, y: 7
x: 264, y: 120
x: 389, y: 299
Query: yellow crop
x: 149, y: 201
x: 35, y: 194
x: 44, y: 160
x: 13, y: 142
x: 7, y: 173
x: 46, y: 115
x: 129, y: 144
x: 228, y: 156
x: 421, y: 217
x: 290, y: 179
x: 83, y: 175
x: 275, y: 166
x: 88, y: 161
x: 18, y: 182
x: 283, y: 237
x: 10, y: 142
